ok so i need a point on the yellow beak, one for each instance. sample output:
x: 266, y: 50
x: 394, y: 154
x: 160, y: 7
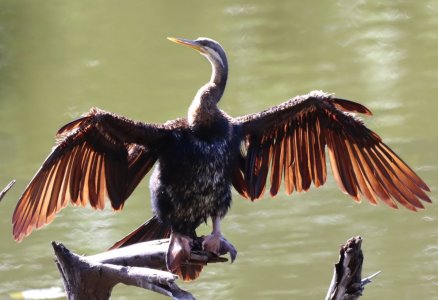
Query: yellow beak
x: 189, y: 43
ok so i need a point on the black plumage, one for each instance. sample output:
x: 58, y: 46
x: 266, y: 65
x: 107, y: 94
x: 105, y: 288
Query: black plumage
x: 198, y: 158
x: 191, y: 179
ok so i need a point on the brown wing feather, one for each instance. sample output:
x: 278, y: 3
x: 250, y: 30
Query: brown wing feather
x: 96, y: 158
x: 297, y: 132
x: 288, y: 172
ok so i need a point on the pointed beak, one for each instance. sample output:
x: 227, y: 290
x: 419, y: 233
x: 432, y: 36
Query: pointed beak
x: 189, y: 43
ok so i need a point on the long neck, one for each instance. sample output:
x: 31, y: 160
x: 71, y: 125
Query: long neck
x: 204, y: 110
x: 219, y: 74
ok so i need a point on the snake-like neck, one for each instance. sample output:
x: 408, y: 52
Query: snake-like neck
x: 204, y: 110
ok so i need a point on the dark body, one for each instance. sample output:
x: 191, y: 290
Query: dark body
x: 192, y: 177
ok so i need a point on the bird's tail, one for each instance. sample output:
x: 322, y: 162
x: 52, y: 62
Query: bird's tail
x: 151, y: 230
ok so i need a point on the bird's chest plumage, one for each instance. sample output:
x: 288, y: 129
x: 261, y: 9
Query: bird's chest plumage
x: 192, y: 178
x: 196, y: 166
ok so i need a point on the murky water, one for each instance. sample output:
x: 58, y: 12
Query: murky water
x: 59, y: 58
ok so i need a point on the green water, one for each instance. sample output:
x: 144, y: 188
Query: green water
x: 59, y: 58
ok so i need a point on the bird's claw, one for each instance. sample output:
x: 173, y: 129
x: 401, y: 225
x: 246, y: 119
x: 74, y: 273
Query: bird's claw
x: 218, y: 245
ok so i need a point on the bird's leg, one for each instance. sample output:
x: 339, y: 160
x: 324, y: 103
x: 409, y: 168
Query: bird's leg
x: 216, y: 243
x: 212, y: 242
x: 178, y: 252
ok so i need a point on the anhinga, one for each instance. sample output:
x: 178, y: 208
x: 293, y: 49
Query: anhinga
x: 198, y: 158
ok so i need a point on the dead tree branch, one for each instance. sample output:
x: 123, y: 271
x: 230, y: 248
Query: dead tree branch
x: 347, y: 283
x: 141, y: 265
x: 6, y: 189
x: 144, y: 265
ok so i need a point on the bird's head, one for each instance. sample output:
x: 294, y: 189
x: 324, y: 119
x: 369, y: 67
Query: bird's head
x: 209, y: 48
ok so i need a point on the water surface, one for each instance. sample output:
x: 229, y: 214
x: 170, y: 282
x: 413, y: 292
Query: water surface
x: 59, y: 58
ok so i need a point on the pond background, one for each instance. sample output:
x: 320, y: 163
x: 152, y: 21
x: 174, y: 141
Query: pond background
x: 60, y: 58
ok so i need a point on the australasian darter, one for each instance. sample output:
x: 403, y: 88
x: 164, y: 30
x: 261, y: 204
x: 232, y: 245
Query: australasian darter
x: 198, y: 158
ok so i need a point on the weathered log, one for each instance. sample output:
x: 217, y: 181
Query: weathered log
x: 144, y: 264
x: 141, y: 265
x: 347, y: 282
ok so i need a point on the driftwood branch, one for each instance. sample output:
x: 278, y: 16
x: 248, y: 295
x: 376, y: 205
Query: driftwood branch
x: 347, y: 282
x: 141, y: 265
x: 144, y: 265
x: 6, y: 189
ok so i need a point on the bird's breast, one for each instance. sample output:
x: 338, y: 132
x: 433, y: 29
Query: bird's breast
x: 201, y: 162
x: 192, y: 178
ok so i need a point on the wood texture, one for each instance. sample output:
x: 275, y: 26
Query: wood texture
x: 6, y: 189
x: 347, y: 282
x: 142, y: 265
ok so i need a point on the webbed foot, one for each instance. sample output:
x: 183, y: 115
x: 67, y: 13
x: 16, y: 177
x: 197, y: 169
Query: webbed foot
x: 178, y: 256
x: 179, y: 250
x: 218, y: 245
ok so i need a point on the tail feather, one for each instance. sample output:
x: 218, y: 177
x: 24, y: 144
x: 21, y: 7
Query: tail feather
x: 189, y: 272
x: 151, y: 230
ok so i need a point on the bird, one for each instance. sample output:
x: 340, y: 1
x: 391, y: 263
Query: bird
x: 197, y: 160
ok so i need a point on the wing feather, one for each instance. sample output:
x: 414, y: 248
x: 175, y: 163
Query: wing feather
x: 263, y: 166
x: 276, y: 165
x: 297, y: 159
x: 304, y: 161
x: 362, y: 185
x: 400, y: 175
x: 288, y: 172
x: 98, y: 156
x: 297, y: 133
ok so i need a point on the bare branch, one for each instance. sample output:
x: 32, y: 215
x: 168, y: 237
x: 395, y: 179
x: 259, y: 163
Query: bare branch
x: 346, y: 282
x: 141, y: 265
x: 6, y: 189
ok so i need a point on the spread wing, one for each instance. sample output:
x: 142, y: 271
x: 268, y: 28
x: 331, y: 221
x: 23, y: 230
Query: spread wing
x: 288, y: 142
x: 98, y: 156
